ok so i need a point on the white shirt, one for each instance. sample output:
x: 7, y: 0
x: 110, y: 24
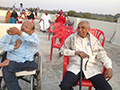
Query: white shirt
x: 91, y: 46
x: 25, y: 52
x: 44, y: 24
x: 21, y: 8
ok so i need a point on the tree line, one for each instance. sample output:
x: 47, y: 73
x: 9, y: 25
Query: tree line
x: 88, y: 15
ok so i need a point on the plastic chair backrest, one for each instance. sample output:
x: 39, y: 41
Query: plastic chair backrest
x: 65, y: 34
x: 55, y: 26
x: 63, y: 28
x: 67, y: 28
x: 98, y: 34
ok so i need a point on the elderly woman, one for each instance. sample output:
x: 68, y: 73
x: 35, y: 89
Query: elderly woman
x: 13, y: 17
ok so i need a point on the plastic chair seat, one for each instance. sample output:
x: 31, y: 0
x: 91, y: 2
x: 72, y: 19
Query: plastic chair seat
x: 85, y: 82
x: 57, y: 45
x: 22, y: 73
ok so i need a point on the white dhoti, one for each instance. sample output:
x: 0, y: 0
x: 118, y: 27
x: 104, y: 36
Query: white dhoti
x: 44, y: 24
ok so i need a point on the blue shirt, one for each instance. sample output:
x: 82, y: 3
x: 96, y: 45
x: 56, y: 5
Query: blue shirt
x: 25, y: 52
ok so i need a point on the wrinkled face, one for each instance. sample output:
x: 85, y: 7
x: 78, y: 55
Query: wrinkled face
x: 83, y: 29
x: 27, y: 27
x: 46, y: 12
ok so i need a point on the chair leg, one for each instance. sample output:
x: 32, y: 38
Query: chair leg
x: 32, y: 83
x: 90, y: 88
x: 38, y: 79
x: 51, y: 53
x: 40, y: 73
x: 49, y: 36
x: 0, y: 81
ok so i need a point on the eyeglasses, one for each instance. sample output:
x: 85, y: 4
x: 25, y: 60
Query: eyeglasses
x: 82, y: 27
x: 25, y: 26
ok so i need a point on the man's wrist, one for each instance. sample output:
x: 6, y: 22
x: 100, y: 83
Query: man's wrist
x: 77, y: 52
x: 15, y: 47
x: 20, y: 33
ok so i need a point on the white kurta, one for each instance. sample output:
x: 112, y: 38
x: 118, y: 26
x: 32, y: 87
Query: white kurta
x: 44, y: 24
x: 92, y: 47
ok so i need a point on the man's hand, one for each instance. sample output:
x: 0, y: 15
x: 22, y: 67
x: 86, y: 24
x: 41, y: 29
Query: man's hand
x: 81, y: 53
x: 18, y: 42
x: 109, y: 74
x: 14, y: 31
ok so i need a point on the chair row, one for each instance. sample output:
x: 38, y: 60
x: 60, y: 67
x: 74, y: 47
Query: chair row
x: 60, y: 33
x: 57, y: 27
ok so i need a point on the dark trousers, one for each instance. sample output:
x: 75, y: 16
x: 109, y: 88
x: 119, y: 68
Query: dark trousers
x: 70, y: 80
x: 9, y: 71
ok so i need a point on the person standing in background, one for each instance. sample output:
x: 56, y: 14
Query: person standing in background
x: 44, y: 22
x: 14, y: 8
x: 60, y: 12
x: 36, y: 12
x: 21, y: 7
x: 8, y: 14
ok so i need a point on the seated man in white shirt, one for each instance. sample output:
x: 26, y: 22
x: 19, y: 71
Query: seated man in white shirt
x: 21, y: 45
x: 84, y: 44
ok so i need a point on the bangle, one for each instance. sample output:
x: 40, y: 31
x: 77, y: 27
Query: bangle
x: 20, y: 34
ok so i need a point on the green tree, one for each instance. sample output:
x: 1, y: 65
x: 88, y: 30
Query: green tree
x: 87, y: 15
x: 72, y: 13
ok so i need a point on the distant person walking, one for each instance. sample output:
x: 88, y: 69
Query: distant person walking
x: 14, y: 8
x: 44, y: 22
x: 8, y: 14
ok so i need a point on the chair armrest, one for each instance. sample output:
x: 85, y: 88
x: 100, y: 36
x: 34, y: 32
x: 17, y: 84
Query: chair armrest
x: 65, y: 63
x: 59, y: 36
x: 104, y: 70
x: 36, y: 54
x: 3, y: 55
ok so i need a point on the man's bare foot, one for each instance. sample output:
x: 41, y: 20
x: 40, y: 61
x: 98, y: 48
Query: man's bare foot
x: 5, y: 63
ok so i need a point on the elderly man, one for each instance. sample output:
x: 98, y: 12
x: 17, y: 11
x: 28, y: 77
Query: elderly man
x: 44, y: 22
x: 21, y: 45
x: 89, y: 48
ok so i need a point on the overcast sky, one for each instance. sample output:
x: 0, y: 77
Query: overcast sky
x: 92, y: 6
